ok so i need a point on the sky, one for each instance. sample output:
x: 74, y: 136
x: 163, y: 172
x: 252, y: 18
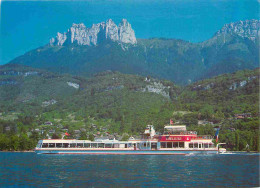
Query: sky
x: 26, y: 25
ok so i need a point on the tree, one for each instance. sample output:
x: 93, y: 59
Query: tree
x: 4, y: 142
x: 55, y: 136
x: 237, y: 141
x: 92, y: 91
x: 125, y: 137
x: 219, y: 115
x: 190, y: 119
x: 83, y: 136
x: 207, y: 111
x: 91, y: 137
x: 24, y: 142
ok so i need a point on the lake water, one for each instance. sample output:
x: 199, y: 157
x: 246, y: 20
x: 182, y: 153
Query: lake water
x: 30, y: 170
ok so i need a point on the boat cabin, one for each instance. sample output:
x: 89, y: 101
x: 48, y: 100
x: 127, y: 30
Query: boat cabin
x: 174, y: 138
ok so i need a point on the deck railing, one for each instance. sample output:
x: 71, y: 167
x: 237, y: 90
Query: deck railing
x: 203, y: 137
x: 180, y: 133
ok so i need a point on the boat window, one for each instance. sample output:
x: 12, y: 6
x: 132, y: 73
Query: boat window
x: 195, y: 145
x: 94, y: 145
x: 190, y: 145
x: 101, y: 145
x: 144, y: 144
x: 86, y: 145
x: 108, y: 145
x: 175, y: 144
x: 181, y: 144
x: 59, y: 145
x: 211, y: 145
x: 169, y: 144
x: 115, y: 145
x: 51, y: 145
x: 163, y: 144
x: 65, y: 145
x: 206, y: 145
x: 45, y: 145
x: 73, y: 145
x: 80, y: 145
x: 38, y: 145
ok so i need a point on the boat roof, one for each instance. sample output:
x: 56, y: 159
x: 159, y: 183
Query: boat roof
x: 85, y: 141
x: 175, y: 127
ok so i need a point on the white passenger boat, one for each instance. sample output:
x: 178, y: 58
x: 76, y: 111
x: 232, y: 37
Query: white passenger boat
x: 176, y: 140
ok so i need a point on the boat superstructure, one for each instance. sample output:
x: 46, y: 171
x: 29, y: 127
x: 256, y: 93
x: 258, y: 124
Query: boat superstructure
x: 175, y: 140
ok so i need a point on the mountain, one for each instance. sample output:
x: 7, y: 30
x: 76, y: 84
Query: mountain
x: 80, y: 35
x: 229, y: 93
x: 106, y: 46
x: 245, y: 29
x: 113, y: 104
x: 20, y: 85
x: 107, y: 96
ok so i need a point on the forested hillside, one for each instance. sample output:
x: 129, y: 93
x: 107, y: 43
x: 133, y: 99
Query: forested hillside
x: 38, y: 104
x: 224, y: 101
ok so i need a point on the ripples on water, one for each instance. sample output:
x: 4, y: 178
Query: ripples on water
x: 29, y: 169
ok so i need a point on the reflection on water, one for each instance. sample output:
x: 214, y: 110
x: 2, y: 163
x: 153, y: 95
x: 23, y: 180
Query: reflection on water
x: 29, y: 169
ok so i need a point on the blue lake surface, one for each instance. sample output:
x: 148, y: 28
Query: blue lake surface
x: 30, y: 170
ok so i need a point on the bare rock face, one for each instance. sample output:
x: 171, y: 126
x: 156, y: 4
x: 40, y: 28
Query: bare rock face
x: 246, y: 29
x: 111, y: 30
x: 81, y: 35
x: 126, y: 33
x: 60, y: 38
x: 77, y: 33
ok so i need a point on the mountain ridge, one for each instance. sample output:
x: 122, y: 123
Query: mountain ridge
x: 228, y: 50
x: 79, y: 33
x: 246, y: 29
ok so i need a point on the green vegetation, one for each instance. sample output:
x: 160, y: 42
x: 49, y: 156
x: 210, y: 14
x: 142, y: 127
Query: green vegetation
x: 218, y: 100
x: 113, y: 104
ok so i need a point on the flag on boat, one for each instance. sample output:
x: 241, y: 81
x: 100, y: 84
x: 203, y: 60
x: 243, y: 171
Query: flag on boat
x: 67, y: 134
x: 171, y: 122
x: 216, y: 134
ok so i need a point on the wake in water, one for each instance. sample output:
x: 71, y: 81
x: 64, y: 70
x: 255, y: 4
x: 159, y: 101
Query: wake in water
x: 226, y: 153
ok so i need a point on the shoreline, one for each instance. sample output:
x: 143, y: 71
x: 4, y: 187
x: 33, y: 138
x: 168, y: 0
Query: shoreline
x: 244, y: 151
x: 28, y: 151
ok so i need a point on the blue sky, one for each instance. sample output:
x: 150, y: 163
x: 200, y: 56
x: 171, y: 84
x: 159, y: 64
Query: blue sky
x: 26, y: 25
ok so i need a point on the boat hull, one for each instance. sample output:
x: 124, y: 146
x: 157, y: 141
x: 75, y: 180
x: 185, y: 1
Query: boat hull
x: 126, y: 152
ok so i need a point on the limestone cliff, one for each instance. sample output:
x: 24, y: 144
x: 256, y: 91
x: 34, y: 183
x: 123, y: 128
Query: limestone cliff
x: 245, y: 29
x: 81, y: 35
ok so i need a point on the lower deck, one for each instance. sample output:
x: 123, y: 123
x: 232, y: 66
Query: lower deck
x: 137, y: 147
x: 126, y: 151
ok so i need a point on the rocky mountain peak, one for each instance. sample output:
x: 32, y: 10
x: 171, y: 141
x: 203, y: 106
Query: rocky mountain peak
x: 246, y: 29
x: 81, y: 35
x: 111, y: 30
x: 126, y: 33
